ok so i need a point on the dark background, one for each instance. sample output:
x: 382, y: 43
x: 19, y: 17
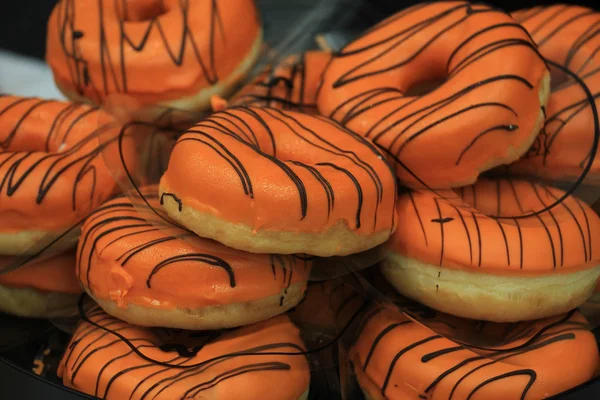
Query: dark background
x: 23, y: 22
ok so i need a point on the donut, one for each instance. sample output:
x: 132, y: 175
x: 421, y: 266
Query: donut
x: 266, y: 180
x: 45, y: 288
x: 110, y: 359
x: 486, y: 111
x: 140, y: 267
x: 566, y: 35
x: 396, y: 358
x: 495, y: 251
x: 290, y: 85
x: 52, y: 170
x: 158, y: 53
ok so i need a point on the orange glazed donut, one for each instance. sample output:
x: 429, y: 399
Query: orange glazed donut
x: 166, y: 53
x: 44, y: 289
x: 147, y: 271
x: 487, y: 112
x: 291, y: 85
x: 52, y: 171
x: 468, y: 257
x: 396, y: 358
x: 567, y: 35
x: 112, y: 360
x: 270, y: 181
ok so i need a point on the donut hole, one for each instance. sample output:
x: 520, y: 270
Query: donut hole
x: 424, y: 87
x: 143, y: 10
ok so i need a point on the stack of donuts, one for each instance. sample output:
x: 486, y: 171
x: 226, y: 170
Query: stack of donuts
x: 442, y: 135
x: 52, y: 175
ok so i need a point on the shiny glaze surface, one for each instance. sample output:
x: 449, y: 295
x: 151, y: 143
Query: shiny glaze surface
x: 111, y: 359
x: 485, y: 112
x: 52, y: 170
x: 290, y: 85
x: 498, y: 226
x: 567, y: 35
x: 281, y: 170
x: 153, y: 50
x: 395, y: 357
x: 131, y: 253
x: 56, y: 274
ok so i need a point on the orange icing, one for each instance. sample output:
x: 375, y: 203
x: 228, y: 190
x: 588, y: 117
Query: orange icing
x: 290, y: 85
x: 281, y: 171
x: 152, y: 50
x: 132, y: 254
x: 56, y: 274
x: 568, y: 36
x: 398, y: 359
x: 52, y: 171
x: 458, y: 229
x: 100, y: 362
x: 487, y: 106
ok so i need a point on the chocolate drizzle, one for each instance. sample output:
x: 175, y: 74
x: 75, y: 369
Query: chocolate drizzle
x: 559, y: 200
x: 171, y: 195
x: 122, y: 219
x: 284, y: 86
x: 61, y: 159
x: 100, y: 333
x: 534, y: 337
x: 354, y: 89
x: 234, y: 123
x: 79, y: 156
x: 111, y: 61
x: 552, y: 29
x: 489, y: 197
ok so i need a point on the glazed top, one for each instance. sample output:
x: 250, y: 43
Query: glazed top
x: 499, y: 226
x: 565, y: 34
x: 130, y: 252
x: 282, y: 171
x: 488, y: 105
x: 568, y: 36
x: 403, y: 359
x: 111, y: 359
x: 52, y: 170
x: 56, y: 274
x: 150, y: 49
x: 290, y: 85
